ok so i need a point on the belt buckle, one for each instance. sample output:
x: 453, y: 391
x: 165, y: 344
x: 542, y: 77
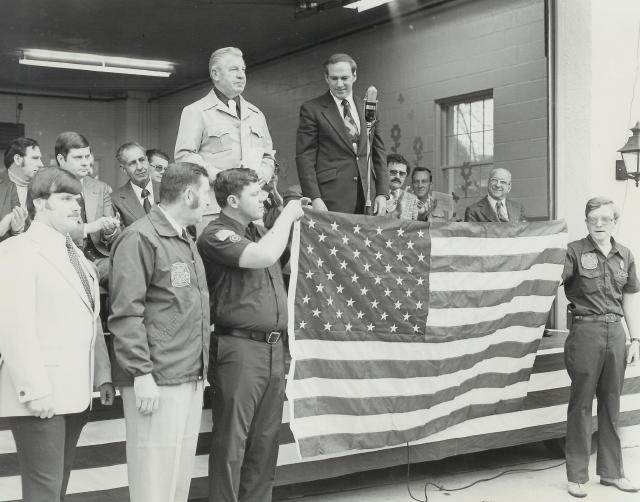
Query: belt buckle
x: 272, y: 337
x: 609, y: 318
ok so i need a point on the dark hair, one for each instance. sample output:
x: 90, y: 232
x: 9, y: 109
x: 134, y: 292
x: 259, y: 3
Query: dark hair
x: 418, y: 169
x: 177, y: 178
x: 18, y: 147
x: 396, y: 158
x: 54, y: 180
x: 67, y: 141
x: 231, y: 182
x: 340, y: 58
x: 126, y: 146
x: 598, y: 202
x: 154, y: 152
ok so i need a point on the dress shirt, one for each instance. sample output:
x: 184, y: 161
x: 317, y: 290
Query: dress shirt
x: 493, y: 203
x: 352, y: 108
x: 138, y: 192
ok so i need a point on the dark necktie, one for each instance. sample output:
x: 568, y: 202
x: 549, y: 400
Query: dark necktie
x: 75, y: 261
x: 83, y: 211
x: 350, y: 123
x: 502, y: 213
x: 146, y: 205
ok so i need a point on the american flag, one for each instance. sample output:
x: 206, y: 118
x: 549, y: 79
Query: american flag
x: 401, y: 329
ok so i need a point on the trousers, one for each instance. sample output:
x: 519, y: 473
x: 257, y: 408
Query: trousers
x: 247, y: 385
x: 161, y: 446
x: 46, y: 451
x: 595, y: 358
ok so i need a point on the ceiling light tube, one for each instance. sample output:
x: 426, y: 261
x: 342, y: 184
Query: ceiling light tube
x: 362, y: 5
x: 94, y: 62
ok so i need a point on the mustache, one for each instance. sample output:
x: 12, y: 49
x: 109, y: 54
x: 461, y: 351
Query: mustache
x: 396, y: 179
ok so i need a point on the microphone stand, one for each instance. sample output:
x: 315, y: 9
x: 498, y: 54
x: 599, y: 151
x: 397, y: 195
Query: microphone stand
x: 367, y: 204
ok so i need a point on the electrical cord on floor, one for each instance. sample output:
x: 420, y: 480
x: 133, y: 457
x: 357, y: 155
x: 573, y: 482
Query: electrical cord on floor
x: 482, y: 480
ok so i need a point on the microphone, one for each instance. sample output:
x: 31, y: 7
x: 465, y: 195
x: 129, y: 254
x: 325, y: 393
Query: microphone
x: 371, y: 105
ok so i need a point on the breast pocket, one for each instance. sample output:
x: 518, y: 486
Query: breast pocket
x: 591, y: 280
x: 219, y: 139
x: 257, y: 136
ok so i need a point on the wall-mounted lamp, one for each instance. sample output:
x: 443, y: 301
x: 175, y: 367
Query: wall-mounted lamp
x: 629, y: 167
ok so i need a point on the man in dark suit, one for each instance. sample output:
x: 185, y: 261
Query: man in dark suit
x: 23, y: 159
x: 135, y: 198
x: 331, y: 147
x: 495, y: 206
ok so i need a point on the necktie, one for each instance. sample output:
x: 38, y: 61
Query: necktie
x: 145, y: 200
x: 75, y: 261
x: 234, y: 107
x: 350, y: 123
x: 83, y: 211
x: 502, y: 212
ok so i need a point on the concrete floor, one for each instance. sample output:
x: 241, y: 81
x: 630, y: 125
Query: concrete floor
x: 547, y: 485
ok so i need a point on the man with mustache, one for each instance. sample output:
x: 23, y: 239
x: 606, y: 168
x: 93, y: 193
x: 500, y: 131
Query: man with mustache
x: 401, y: 203
x: 495, y: 206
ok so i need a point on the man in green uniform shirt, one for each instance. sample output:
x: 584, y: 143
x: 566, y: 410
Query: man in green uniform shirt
x: 249, y: 311
x: 600, y: 281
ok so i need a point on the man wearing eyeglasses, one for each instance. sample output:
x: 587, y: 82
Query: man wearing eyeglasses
x: 158, y: 161
x: 602, y: 287
x: 136, y: 197
x: 401, y: 203
x: 495, y: 206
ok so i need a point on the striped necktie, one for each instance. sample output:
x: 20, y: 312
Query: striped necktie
x: 75, y: 261
x: 350, y: 123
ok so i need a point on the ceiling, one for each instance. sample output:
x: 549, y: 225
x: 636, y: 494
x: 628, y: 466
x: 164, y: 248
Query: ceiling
x: 182, y: 31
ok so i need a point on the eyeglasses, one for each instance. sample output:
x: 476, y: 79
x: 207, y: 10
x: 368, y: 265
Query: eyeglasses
x: 158, y: 168
x: 604, y: 220
x: 395, y: 172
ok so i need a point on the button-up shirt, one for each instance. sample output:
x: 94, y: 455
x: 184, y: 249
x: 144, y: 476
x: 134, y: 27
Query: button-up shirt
x: 595, y: 283
x: 138, y: 191
x: 246, y: 298
x: 352, y: 108
x: 493, y: 202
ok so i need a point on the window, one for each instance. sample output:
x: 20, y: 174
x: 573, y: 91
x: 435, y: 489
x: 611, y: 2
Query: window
x: 467, y: 147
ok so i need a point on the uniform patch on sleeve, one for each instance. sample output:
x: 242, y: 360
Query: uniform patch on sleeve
x: 589, y: 261
x: 180, y: 275
x: 224, y: 234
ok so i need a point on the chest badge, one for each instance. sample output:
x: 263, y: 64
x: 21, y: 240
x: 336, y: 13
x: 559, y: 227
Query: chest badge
x: 622, y: 264
x: 589, y: 261
x: 180, y: 275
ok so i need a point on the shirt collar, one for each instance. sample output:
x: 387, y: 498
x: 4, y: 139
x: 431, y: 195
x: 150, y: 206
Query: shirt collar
x: 179, y: 230
x: 237, y: 225
x: 224, y: 98
x: 138, y: 190
x: 590, y: 245
x: 349, y: 98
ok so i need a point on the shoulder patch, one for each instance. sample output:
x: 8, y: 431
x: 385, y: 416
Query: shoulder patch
x: 589, y: 261
x: 224, y: 234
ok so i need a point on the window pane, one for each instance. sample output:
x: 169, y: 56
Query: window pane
x: 477, y: 147
x: 488, y: 146
x: 463, y: 118
x: 464, y: 150
x: 477, y: 115
x: 488, y: 113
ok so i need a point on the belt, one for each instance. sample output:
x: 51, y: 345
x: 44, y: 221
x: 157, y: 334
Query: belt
x: 270, y: 337
x: 607, y: 318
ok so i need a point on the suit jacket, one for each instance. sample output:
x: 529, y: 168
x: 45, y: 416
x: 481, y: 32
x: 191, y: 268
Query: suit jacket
x: 482, y: 211
x: 48, y: 332
x: 97, y: 203
x: 328, y: 166
x: 8, y: 198
x: 128, y: 205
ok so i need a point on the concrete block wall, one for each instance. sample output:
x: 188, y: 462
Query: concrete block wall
x: 415, y: 62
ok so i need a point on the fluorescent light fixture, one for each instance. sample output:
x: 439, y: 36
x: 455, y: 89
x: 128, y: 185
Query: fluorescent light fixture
x: 96, y: 62
x: 362, y: 5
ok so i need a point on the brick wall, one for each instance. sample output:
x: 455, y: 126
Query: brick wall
x: 415, y: 62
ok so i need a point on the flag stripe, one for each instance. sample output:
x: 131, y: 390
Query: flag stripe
x: 419, y: 368
x: 395, y: 433
x: 409, y: 349
x: 490, y: 298
x: 400, y: 404
x: 483, y: 281
x: 495, y: 263
x: 358, y: 388
x: 470, y: 246
x: 496, y: 230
